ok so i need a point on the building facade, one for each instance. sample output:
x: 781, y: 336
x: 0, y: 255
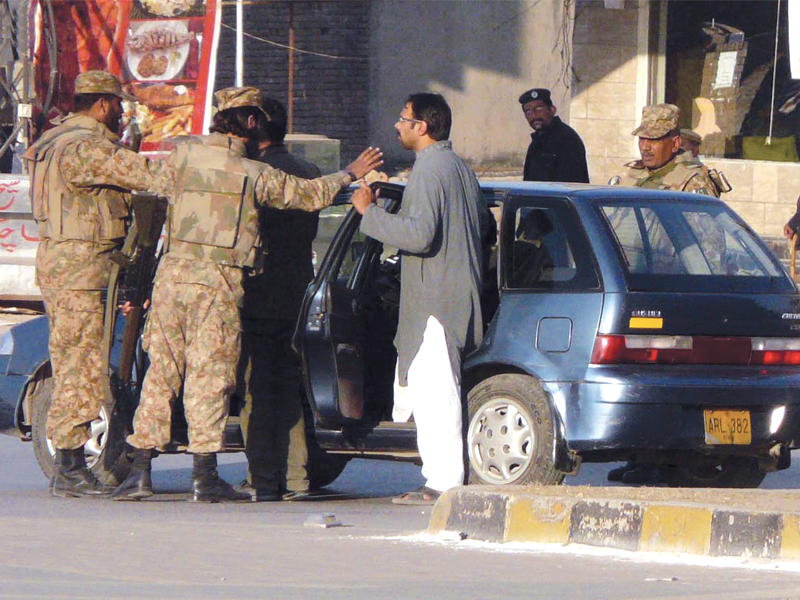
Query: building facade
x: 715, y: 60
x: 356, y: 61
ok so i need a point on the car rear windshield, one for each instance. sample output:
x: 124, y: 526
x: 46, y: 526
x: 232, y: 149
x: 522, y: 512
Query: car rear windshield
x: 695, y: 246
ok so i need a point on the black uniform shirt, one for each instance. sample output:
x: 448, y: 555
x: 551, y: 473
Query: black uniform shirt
x: 277, y: 292
x: 556, y: 153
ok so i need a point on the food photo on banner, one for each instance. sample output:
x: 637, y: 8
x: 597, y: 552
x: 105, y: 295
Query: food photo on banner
x: 163, y: 51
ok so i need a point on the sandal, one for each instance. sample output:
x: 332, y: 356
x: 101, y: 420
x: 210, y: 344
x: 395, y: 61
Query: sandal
x: 422, y: 496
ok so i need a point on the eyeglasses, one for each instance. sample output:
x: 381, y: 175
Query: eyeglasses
x: 407, y: 120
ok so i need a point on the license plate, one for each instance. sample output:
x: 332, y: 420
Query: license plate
x: 728, y: 427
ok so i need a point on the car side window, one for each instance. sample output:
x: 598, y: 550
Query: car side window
x: 541, y: 250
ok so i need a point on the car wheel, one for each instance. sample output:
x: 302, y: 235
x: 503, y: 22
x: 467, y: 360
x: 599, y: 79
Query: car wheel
x: 731, y: 472
x: 104, y: 450
x: 324, y: 468
x: 510, y: 434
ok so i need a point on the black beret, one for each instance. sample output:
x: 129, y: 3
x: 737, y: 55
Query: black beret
x: 542, y: 94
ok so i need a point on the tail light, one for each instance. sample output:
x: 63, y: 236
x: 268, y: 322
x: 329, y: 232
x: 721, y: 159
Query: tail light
x: 695, y: 350
x: 775, y: 351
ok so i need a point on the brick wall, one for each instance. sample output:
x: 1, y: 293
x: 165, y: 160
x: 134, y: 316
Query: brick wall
x: 330, y: 95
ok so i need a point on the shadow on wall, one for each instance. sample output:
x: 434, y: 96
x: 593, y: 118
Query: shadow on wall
x: 480, y: 54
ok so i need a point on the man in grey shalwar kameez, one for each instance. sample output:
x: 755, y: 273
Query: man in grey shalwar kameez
x: 438, y: 233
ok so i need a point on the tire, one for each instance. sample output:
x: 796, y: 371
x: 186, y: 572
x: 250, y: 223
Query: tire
x: 730, y: 472
x: 105, y: 450
x: 510, y: 433
x: 324, y: 468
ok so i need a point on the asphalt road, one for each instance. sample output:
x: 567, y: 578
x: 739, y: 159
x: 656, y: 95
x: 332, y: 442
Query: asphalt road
x: 168, y: 548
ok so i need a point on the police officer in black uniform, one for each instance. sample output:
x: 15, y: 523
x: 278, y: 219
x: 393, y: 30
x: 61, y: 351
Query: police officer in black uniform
x: 556, y: 152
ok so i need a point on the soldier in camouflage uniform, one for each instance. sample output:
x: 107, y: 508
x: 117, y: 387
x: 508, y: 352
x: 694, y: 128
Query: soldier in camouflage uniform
x: 193, y: 331
x: 79, y: 178
x: 666, y: 166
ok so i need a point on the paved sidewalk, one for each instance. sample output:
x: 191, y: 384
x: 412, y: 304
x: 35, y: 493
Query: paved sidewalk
x: 724, y: 522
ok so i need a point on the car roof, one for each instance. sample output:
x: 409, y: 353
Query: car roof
x: 584, y: 192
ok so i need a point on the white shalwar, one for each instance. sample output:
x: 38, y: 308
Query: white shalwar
x: 433, y: 396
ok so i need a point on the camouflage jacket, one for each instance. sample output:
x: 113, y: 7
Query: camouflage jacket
x: 683, y: 173
x: 80, y: 177
x: 214, y: 192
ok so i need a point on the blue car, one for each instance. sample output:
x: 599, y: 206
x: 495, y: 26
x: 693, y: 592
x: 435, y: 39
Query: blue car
x: 622, y: 324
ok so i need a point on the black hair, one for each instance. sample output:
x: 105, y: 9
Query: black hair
x: 434, y: 110
x: 274, y: 126
x: 234, y: 121
x: 83, y: 102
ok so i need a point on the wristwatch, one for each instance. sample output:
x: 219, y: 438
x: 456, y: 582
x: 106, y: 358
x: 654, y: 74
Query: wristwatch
x: 352, y: 176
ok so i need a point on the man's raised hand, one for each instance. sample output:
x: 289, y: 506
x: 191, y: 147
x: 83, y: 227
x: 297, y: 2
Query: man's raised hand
x: 369, y: 159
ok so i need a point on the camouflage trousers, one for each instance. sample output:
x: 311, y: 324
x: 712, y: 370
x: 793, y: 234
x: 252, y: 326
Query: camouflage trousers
x: 272, y: 420
x: 193, y: 338
x: 76, y: 357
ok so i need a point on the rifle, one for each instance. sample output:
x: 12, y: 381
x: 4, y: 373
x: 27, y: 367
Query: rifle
x: 149, y: 214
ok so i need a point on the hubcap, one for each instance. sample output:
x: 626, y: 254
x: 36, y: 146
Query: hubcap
x: 501, y: 441
x: 96, y: 443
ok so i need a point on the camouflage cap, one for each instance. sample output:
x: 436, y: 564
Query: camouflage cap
x: 100, y: 82
x: 657, y: 121
x: 236, y: 97
x: 692, y: 136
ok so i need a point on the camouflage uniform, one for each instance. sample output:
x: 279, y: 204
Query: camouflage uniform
x: 193, y: 334
x: 683, y: 173
x: 78, y: 177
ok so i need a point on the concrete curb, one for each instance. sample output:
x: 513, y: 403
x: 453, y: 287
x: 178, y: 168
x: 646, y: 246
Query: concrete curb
x: 601, y: 517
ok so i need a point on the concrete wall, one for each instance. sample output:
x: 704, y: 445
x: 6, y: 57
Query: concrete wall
x: 605, y: 105
x: 764, y: 193
x: 480, y: 55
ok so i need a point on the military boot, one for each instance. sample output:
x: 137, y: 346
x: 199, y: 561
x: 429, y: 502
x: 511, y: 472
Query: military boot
x: 73, y: 479
x: 137, y: 484
x: 208, y: 486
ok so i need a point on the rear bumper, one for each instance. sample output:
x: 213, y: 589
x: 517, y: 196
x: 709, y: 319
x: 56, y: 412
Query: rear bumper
x: 629, y: 409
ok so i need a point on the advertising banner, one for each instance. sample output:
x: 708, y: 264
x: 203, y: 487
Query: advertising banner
x: 165, y: 59
x: 18, y: 240
x: 163, y: 51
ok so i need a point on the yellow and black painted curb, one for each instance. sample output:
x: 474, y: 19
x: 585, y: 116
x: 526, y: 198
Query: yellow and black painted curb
x: 489, y: 514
